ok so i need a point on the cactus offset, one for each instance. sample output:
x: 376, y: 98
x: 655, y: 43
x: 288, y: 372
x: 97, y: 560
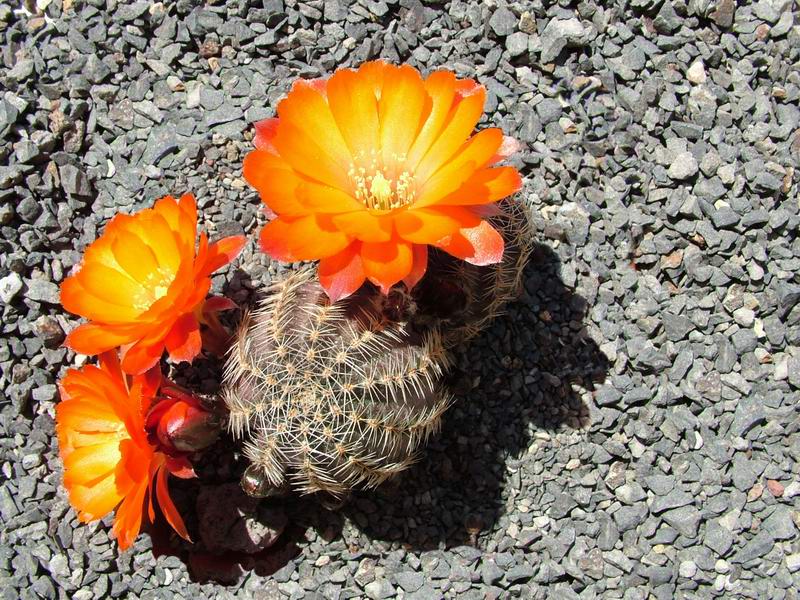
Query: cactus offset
x: 330, y: 397
x: 461, y: 299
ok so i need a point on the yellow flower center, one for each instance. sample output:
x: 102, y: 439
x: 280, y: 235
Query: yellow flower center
x: 155, y: 286
x: 381, y: 190
x: 382, y: 187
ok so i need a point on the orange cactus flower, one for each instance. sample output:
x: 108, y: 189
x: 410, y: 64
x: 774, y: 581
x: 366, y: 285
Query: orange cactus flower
x: 143, y: 286
x: 109, y: 461
x: 365, y: 170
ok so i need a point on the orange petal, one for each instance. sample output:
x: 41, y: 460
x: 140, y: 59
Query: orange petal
x: 109, y: 365
x: 386, y: 263
x: 374, y: 73
x: 274, y: 240
x: 441, y: 89
x: 315, y: 236
x: 185, y: 293
x: 94, y: 338
x: 316, y: 197
x: 180, y: 214
x: 187, y: 222
x: 342, y: 274
x: 168, y: 248
x: 509, y: 147
x: 180, y: 217
x: 308, y: 238
x: 320, y: 84
x: 142, y: 356
x: 138, y: 405
x: 171, y: 513
x: 309, y: 156
x: 474, y: 155
x: 401, y: 111
x: 480, y: 245
x: 92, y: 404
x: 420, y: 258
x: 134, y: 467
x: 265, y: 131
x: 180, y: 467
x: 128, y: 518
x: 484, y: 187
x: 94, y: 501
x: 133, y: 255
x: 433, y: 225
x: 168, y: 209
x: 354, y: 106
x: 188, y: 206
x: 88, y: 412
x: 222, y: 252
x: 77, y: 300
x: 217, y: 304
x: 150, y: 382
x: 183, y: 341
x: 464, y: 117
x: 73, y: 439
x: 109, y: 285
x: 365, y: 226
x: 307, y: 109
x: 467, y: 87
x: 91, y: 463
x: 100, y: 250
x: 275, y: 181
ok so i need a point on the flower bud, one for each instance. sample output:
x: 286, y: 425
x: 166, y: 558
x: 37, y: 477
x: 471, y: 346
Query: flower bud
x: 182, y: 423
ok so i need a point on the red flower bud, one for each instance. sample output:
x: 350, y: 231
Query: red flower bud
x: 181, y: 423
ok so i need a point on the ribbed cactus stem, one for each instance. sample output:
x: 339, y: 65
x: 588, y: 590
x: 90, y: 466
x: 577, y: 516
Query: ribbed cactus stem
x: 331, y: 397
x: 462, y: 299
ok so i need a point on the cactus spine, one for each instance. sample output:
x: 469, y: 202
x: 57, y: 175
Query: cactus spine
x: 462, y: 299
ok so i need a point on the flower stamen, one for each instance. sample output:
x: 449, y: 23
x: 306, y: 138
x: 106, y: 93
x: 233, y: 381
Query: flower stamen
x: 154, y: 287
x: 379, y: 187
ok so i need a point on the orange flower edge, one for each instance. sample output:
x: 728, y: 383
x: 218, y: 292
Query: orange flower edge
x: 109, y: 462
x: 143, y: 284
x: 365, y: 170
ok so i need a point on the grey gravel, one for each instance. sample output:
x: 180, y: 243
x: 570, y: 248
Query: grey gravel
x: 10, y: 286
x: 627, y: 430
x: 683, y: 166
x: 718, y: 538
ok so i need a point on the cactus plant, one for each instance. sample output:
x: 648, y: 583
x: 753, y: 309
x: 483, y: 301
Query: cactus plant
x: 330, y: 397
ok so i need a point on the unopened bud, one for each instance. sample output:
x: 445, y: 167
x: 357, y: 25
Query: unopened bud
x: 181, y: 423
x: 188, y: 429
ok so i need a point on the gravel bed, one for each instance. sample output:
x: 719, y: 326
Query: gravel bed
x: 629, y: 429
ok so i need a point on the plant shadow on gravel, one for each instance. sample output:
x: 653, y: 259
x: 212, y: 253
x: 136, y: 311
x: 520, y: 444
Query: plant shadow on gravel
x: 513, y: 380
x: 522, y: 373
